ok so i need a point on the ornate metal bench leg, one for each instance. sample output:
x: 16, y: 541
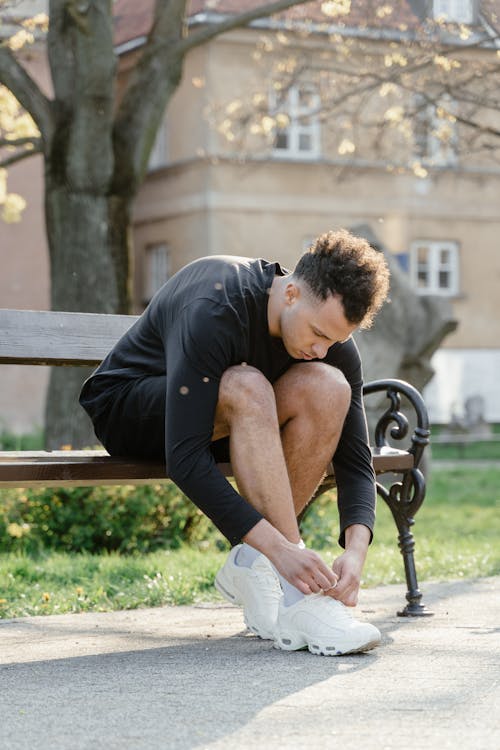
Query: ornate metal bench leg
x: 404, y: 499
x: 413, y: 596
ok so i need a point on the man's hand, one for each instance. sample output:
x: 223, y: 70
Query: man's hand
x: 349, y: 566
x: 303, y: 568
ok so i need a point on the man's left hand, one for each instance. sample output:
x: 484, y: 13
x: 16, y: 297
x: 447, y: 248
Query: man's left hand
x: 349, y: 566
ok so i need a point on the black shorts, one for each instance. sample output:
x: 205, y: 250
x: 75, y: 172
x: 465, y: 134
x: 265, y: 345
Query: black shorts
x: 134, y: 424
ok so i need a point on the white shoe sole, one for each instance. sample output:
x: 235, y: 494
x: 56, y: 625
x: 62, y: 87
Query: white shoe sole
x: 297, y: 642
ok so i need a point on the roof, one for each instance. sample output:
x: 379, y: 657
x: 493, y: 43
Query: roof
x: 360, y: 11
x: 133, y: 20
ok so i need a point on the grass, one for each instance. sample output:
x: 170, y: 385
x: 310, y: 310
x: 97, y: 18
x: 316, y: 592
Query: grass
x: 457, y: 532
x: 55, y: 583
x: 32, y: 441
x: 476, y: 450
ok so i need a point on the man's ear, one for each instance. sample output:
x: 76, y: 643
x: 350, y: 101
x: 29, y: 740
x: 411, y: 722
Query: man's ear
x: 292, y: 293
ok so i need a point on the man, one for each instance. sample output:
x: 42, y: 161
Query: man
x: 235, y: 357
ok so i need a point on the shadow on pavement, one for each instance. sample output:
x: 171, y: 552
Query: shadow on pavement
x: 191, y: 693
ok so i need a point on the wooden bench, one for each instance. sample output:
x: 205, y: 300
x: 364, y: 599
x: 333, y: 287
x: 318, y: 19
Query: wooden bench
x: 58, y: 338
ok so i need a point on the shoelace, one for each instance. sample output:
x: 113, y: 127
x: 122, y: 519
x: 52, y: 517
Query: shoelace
x: 327, y: 603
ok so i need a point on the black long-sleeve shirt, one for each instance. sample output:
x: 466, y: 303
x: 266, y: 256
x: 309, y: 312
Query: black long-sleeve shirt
x: 208, y: 317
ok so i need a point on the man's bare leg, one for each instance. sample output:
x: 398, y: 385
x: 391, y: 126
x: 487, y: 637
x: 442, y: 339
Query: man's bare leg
x: 314, y: 410
x: 310, y: 401
x: 311, y: 406
x: 247, y: 412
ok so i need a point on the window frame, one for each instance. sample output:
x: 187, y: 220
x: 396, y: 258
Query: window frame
x: 435, y: 266
x: 296, y: 129
x: 427, y: 146
x: 455, y: 11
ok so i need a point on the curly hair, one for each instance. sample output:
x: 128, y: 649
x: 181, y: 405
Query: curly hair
x: 340, y: 263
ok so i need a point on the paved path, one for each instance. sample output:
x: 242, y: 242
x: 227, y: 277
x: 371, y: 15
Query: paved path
x: 190, y: 677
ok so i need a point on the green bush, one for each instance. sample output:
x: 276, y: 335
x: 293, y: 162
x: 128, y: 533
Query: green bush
x: 92, y: 519
x: 32, y: 441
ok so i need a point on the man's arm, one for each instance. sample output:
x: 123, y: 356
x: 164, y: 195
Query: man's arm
x: 198, y: 352
x: 349, y: 566
x: 352, y: 462
x: 355, y: 478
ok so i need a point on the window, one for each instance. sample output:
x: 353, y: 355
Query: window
x: 435, y: 132
x: 158, y: 155
x: 434, y: 267
x: 156, y: 269
x: 301, y: 136
x: 455, y: 11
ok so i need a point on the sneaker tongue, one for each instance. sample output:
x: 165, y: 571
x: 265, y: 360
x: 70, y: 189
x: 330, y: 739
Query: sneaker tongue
x: 340, y: 609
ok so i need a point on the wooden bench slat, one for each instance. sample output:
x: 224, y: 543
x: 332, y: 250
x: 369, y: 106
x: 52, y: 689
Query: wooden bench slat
x: 59, y: 338
x: 85, y: 468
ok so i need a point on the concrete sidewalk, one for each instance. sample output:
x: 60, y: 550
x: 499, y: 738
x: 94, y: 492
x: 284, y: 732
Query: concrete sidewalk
x: 190, y: 677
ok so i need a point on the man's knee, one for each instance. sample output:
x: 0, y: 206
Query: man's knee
x: 244, y: 388
x: 320, y: 389
x: 329, y: 385
x: 332, y: 380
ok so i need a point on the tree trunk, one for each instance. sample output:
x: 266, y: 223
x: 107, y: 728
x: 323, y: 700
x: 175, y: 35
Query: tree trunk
x: 89, y: 246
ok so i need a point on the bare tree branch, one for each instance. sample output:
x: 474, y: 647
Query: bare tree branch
x: 26, y: 91
x: 157, y: 74
x: 60, y: 51
x: 15, y: 142
x: 19, y: 156
x: 235, y: 22
x: 481, y: 128
x: 151, y: 83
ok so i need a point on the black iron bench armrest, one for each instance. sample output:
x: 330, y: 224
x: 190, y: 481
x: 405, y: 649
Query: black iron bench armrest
x: 393, y: 389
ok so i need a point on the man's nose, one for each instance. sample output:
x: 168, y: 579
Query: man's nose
x: 320, y: 350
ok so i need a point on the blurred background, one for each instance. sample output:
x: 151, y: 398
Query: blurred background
x: 383, y: 118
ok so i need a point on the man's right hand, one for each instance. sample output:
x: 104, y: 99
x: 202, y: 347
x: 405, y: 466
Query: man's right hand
x: 303, y: 568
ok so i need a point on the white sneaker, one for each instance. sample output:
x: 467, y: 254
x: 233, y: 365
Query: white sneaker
x: 256, y: 589
x: 323, y: 625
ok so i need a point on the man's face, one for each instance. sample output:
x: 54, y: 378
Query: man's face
x: 310, y: 327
